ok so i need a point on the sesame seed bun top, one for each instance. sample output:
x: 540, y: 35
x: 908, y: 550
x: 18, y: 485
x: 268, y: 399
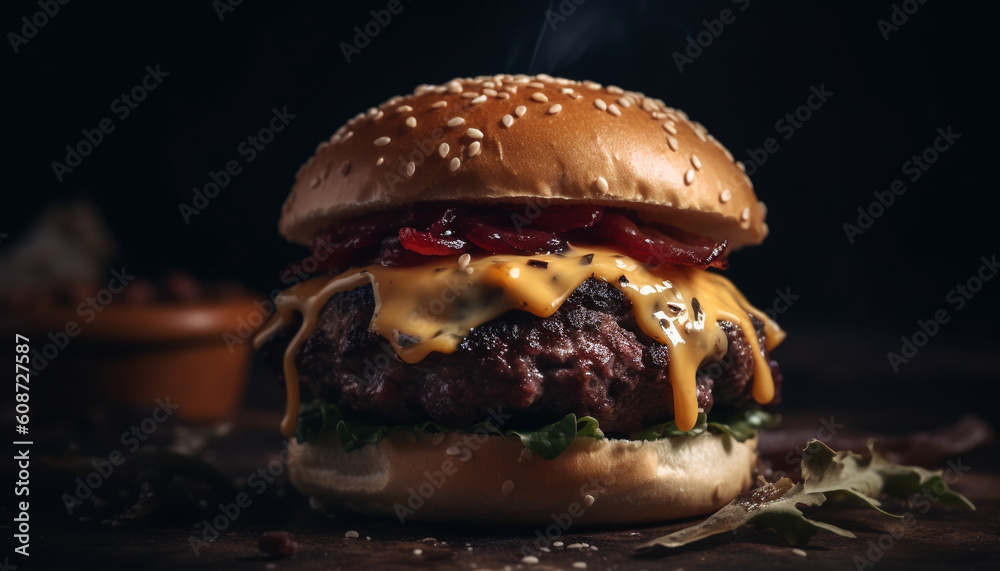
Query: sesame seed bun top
x: 525, y: 139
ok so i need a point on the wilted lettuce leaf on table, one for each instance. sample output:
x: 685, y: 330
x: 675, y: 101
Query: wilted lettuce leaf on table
x: 826, y: 475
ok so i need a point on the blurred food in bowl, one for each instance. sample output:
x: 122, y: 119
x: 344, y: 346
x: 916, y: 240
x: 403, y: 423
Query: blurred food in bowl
x: 101, y: 336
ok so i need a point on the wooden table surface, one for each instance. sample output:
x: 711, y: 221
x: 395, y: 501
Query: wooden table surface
x: 938, y: 539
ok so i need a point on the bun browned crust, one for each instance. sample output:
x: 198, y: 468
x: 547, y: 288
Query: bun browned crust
x: 577, y: 142
x: 493, y: 480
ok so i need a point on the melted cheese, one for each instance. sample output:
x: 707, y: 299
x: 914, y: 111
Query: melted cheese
x: 432, y: 307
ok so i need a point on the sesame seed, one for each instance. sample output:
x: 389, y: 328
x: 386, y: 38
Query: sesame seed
x: 566, y: 90
x: 411, y: 122
x: 540, y: 97
x: 453, y: 451
x: 508, y: 487
x: 520, y: 110
x: 624, y: 102
x: 404, y: 109
x: 529, y: 559
x: 378, y: 116
x: 725, y: 195
x: 314, y: 182
x: 351, y: 534
x: 763, y: 208
x: 478, y: 100
x: 463, y: 261
x: 600, y: 104
x: 454, y: 86
x: 348, y: 135
x: 672, y: 142
x: 799, y: 552
x: 592, y: 84
x: 474, y: 133
x: 588, y: 500
x: 443, y: 150
x: 580, y: 564
x: 490, y: 92
x: 455, y: 121
x: 615, y: 89
x: 411, y: 167
x: 741, y: 166
x: 689, y: 176
x: 557, y: 544
x: 474, y: 148
x: 454, y: 164
x: 510, y: 88
x: 614, y: 110
x: 670, y: 127
x: 371, y: 111
x: 503, y: 95
x: 418, y: 551
x: 379, y: 161
x: 602, y: 184
x: 695, y: 162
x: 537, y: 85
x: 439, y: 104
x: 555, y: 109
x: 470, y: 95
x: 382, y: 141
x: 508, y: 120
x: 745, y: 215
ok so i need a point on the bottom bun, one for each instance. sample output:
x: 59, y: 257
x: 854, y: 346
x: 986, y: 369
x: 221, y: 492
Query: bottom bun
x: 476, y: 478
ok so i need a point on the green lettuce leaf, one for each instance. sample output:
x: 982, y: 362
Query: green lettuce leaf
x: 826, y: 475
x: 740, y: 427
x: 548, y: 441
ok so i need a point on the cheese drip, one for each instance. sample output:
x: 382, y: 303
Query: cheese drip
x: 432, y: 307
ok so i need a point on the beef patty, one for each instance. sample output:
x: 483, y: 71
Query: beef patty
x: 588, y: 358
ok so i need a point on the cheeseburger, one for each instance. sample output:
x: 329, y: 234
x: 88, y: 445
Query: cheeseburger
x: 513, y: 309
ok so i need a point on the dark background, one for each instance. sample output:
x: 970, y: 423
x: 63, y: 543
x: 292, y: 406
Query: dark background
x: 854, y: 300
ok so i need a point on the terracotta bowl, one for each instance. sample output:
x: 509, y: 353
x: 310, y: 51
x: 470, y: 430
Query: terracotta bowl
x: 194, y: 353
